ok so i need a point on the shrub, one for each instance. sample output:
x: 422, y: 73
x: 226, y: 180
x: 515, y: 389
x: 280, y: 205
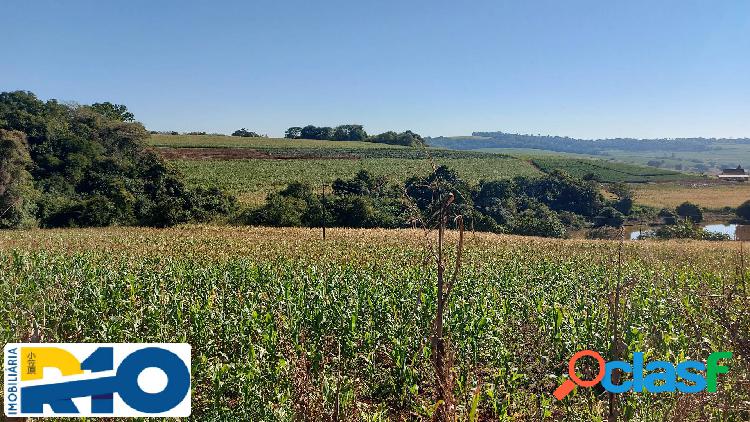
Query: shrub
x: 483, y: 223
x: 609, y: 217
x: 604, y: 233
x: 571, y: 220
x: 279, y: 211
x: 685, y: 229
x: 666, y: 212
x: 538, y: 221
x: 624, y: 205
x: 690, y: 211
x: 743, y: 211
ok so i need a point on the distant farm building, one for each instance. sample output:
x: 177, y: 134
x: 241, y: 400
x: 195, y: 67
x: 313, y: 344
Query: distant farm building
x: 737, y: 174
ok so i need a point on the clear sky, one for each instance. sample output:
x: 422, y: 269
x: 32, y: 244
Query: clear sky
x: 640, y: 68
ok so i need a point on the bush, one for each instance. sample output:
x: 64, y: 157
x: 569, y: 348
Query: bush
x: 743, y: 211
x: 279, y: 211
x: 685, y: 229
x: 690, y: 211
x: 609, y: 217
x: 624, y: 205
x: 481, y: 222
x: 571, y: 220
x: 538, y: 221
x: 666, y: 212
x: 561, y: 192
x: 604, y: 233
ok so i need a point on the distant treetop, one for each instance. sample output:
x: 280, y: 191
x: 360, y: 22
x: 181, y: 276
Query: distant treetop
x: 247, y: 134
x: 113, y: 111
x: 353, y: 132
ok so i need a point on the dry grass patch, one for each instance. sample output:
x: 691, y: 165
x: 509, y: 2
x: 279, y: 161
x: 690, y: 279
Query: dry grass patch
x: 708, y: 195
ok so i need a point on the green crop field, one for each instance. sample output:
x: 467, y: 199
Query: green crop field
x: 321, y: 162
x: 609, y: 171
x: 285, y: 326
x: 215, y: 141
x: 251, y: 180
x: 719, y: 154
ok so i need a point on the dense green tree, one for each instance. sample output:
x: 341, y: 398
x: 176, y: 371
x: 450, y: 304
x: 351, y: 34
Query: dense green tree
x: 609, y: 217
x: 280, y: 211
x: 17, y: 193
x: 407, y: 138
x: 92, y: 167
x: 442, y: 186
x: 324, y: 133
x: 496, y: 199
x: 561, y: 192
x: 538, y: 220
x: 293, y: 133
x: 690, y: 211
x: 521, y: 206
x: 349, y: 133
x: 113, y: 111
x: 244, y: 133
x: 743, y: 211
x: 363, y: 183
x: 624, y: 193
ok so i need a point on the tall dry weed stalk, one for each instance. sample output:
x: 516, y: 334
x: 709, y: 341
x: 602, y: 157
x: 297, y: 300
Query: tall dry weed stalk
x: 617, y: 347
x: 442, y: 357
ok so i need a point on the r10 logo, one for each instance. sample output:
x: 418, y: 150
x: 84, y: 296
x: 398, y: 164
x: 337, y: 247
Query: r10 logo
x: 97, y: 380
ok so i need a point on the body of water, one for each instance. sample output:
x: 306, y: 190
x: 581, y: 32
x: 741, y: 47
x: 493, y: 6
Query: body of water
x: 735, y: 231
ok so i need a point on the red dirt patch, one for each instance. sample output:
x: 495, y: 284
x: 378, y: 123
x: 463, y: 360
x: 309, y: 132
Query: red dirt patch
x: 211, y: 153
x: 236, y: 154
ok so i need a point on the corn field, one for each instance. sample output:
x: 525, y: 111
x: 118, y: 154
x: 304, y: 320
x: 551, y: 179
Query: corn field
x: 285, y: 326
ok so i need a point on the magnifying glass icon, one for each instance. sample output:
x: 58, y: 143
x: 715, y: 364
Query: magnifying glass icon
x: 565, y: 388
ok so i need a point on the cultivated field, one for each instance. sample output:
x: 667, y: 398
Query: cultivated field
x: 253, y: 167
x: 719, y: 155
x: 708, y: 194
x: 284, y: 325
x: 251, y: 180
x: 607, y: 171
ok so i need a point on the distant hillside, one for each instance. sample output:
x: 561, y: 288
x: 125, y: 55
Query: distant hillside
x: 480, y: 140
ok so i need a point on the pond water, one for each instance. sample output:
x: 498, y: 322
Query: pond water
x: 735, y: 231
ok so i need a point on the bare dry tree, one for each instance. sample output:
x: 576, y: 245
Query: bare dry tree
x: 442, y: 356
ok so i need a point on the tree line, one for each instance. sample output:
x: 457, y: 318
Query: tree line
x: 575, y: 145
x: 547, y: 206
x: 353, y: 133
x: 64, y: 165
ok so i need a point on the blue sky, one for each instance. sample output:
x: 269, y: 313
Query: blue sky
x: 578, y: 68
